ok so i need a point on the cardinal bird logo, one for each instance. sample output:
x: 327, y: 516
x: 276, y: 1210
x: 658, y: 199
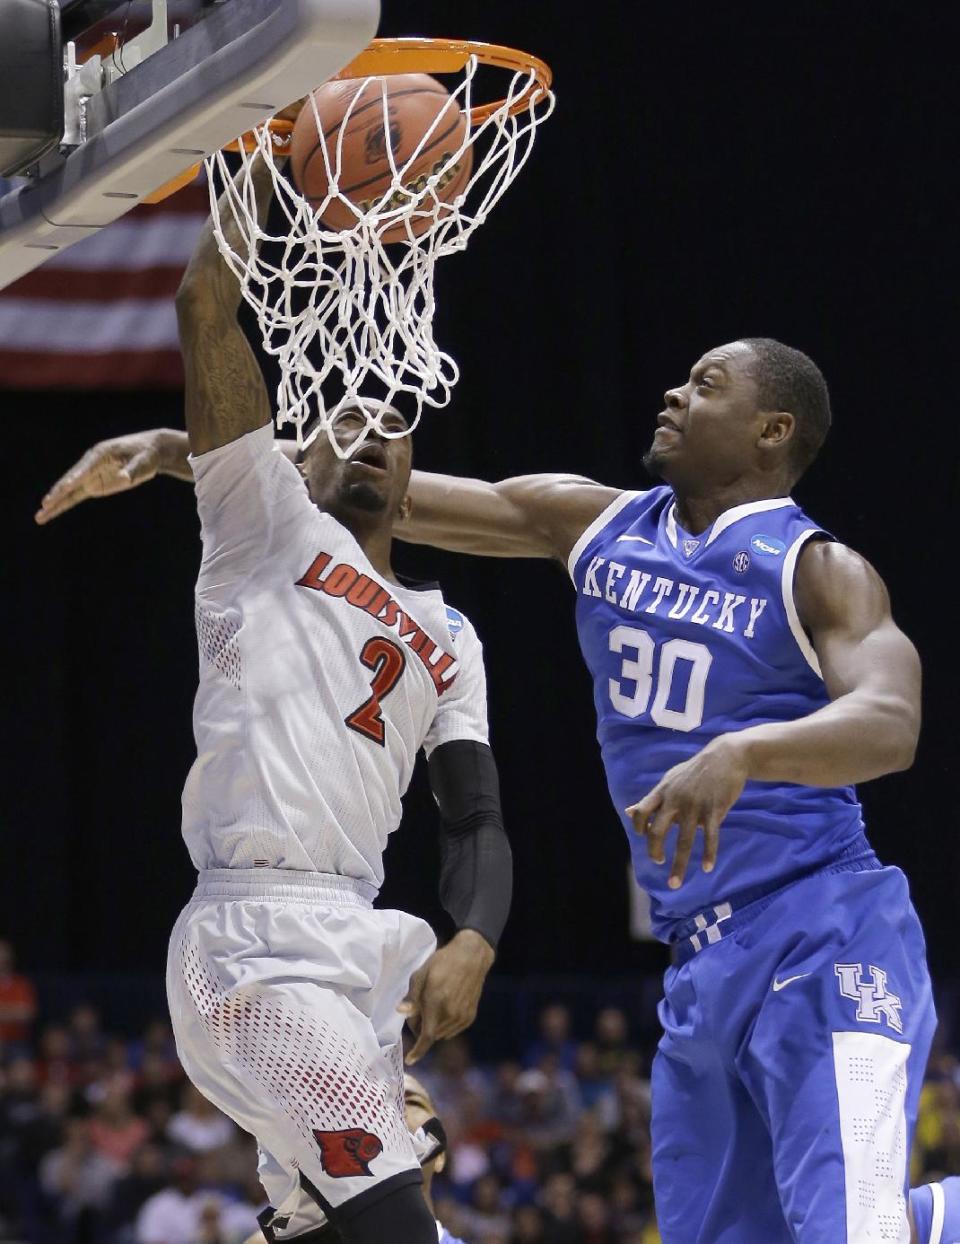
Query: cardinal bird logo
x: 349, y: 1152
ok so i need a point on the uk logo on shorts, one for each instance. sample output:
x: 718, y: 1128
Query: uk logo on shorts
x: 347, y: 1153
x: 874, y: 1004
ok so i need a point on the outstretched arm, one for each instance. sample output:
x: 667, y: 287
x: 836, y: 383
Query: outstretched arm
x: 872, y: 675
x: 527, y: 516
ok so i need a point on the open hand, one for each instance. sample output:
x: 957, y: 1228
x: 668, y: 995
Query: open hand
x: 695, y: 795
x: 109, y: 467
x: 444, y: 994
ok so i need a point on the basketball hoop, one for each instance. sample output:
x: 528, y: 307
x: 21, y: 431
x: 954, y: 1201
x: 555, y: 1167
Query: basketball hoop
x: 352, y: 308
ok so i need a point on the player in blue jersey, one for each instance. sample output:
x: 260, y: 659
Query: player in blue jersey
x: 421, y: 1112
x: 747, y: 672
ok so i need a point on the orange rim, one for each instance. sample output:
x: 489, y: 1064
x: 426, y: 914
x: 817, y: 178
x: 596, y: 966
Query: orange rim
x: 391, y: 56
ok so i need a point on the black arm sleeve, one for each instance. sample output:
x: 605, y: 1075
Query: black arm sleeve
x: 476, y: 863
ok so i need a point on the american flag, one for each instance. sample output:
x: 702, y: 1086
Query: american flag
x: 101, y: 315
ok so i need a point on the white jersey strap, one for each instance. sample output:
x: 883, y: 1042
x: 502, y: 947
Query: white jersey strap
x: 790, y: 605
x: 605, y: 516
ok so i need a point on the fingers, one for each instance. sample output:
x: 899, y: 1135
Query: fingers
x: 653, y: 818
x: 656, y: 831
x: 410, y: 1006
x: 99, y: 473
x: 681, y: 855
x: 641, y: 812
x: 711, y: 841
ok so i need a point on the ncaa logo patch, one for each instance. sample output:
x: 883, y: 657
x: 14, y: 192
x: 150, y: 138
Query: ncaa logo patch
x: 454, y: 622
x: 741, y: 563
x: 768, y: 546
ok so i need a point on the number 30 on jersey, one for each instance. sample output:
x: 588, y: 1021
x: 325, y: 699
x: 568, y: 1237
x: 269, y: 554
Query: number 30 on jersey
x: 637, y: 650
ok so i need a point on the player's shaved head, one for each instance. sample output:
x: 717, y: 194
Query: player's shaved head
x: 787, y: 379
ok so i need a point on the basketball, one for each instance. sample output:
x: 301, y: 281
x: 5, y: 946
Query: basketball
x: 415, y: 101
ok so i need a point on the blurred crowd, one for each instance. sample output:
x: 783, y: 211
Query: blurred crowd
x: 103, y: 1141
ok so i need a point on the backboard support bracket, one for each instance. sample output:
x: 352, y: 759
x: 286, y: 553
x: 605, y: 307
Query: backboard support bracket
x: 184, y: 100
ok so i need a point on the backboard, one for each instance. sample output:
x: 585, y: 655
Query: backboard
x: 187, y: 77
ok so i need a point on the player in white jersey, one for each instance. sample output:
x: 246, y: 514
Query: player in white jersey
x: 322, y: 675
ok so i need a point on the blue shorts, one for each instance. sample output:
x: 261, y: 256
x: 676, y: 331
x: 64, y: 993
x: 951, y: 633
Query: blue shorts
x: 786, y: 1083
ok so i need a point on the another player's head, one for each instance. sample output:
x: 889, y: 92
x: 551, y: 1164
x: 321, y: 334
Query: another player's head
x: 753, y: 409
x: 368, y: 487
x: 419, y: 1109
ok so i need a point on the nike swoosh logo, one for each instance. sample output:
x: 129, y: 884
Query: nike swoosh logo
x: 642, y: 539
x: 778, y: 985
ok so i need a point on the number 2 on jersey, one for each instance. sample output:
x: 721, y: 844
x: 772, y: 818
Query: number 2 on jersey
x: 387, y: 660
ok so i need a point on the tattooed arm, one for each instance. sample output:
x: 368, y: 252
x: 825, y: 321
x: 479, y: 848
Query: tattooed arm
x: 224, y: 389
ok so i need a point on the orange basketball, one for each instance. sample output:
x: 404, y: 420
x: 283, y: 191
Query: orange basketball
x: 414, y: 102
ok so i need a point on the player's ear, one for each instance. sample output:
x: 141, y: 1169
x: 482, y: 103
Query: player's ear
x: 778, y: 426
x: 405, y: 510
x: 439, y: 1163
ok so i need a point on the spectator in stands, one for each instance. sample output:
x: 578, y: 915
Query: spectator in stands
x: 453, y: 1081
x: 115, y: 1131
x: 486, y: 1215
x: 199, y: 1126
x: 18, y: 1003
x: 611, y: 1037
x: 147, y: 1176
x: 156, y: 1043
x: 559, y: 1202
x: 593, y: 1216
x: 594, y: 1084
x: 193, y: 1211
x: 78, y: 1181
x: 528, y: 1225
x: 156, y: 1080
x: 548, y: 1115
x: 54, y: 1063
x: 87, y: 1041
x: 554, y: 1039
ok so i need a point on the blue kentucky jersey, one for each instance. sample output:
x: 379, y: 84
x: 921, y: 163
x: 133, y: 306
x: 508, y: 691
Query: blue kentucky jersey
x: 688, y: 637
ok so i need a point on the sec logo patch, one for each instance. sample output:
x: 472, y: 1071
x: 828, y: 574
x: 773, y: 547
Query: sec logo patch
x: 741, y: 563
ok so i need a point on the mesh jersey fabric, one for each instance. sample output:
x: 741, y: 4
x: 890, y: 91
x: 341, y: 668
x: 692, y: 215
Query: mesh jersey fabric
x: 319, y: 679
x: 283, y: 996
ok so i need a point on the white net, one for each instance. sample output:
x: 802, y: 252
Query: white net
x: 348, y: 312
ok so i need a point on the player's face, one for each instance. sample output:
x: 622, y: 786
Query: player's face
x: 708, y: 430
x: 372, y: 477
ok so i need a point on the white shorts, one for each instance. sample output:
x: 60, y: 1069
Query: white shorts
x: 283, y: 991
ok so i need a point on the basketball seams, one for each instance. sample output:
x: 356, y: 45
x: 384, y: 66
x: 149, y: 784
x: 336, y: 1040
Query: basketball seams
x: 373, y: 103
x: 361, y: 185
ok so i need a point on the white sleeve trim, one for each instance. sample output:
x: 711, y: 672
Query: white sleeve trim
x: 939, y: 1212
x: 604, y: 517
x: 790, y: 605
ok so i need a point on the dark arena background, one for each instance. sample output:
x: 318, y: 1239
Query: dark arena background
x: 710, y: 172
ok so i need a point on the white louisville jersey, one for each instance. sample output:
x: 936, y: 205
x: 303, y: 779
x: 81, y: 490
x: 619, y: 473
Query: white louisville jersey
x: 320, y: 680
